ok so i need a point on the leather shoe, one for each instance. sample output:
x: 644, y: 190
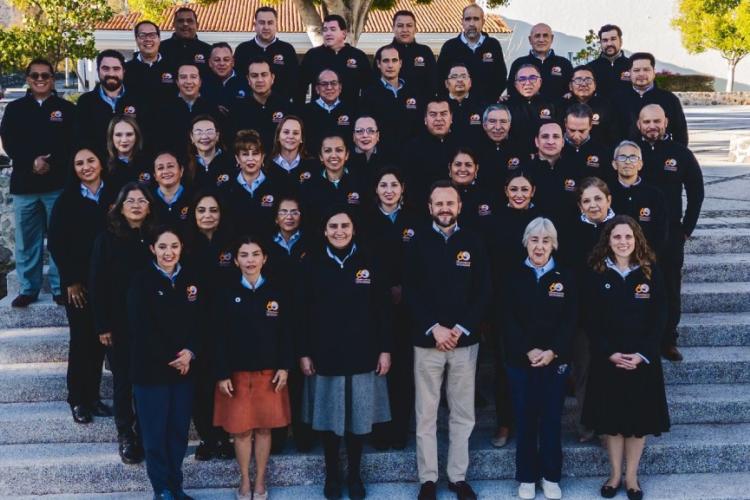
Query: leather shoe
x: 225, y: 450
x: 463, y: 490
x: 428, y: 491
x: 356, y: 488
x: 608, y: 491
x: 205, y: 451
x: 131, y: 452
x: 671, y: 353
x: 59, y: 300
x: 23, y: 300
x: 81, y: 414
x: 332, y: 489
x: 634, y: 494
x: 99, y: 409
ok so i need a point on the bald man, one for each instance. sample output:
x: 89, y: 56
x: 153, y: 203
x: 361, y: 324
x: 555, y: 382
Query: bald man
x: 671, y: 167
x: 556, y: 71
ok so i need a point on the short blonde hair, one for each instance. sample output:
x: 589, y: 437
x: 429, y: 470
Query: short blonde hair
x: 540, y: 227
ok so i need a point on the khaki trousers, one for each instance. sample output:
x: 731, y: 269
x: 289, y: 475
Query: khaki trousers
x: 459, y: 369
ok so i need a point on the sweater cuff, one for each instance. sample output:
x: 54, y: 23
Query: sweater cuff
x: 644, y: 358
x: 429, y: 330
x: 463, y: 330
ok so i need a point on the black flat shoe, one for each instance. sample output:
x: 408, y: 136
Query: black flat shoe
x: 332, y: 489
x: 356, y: 488
x: 99, y: 409
x: 608, y: 491
x: 205, y: 451
x: 81, y: 414
x: 463, y: 490
x: 634, y: 494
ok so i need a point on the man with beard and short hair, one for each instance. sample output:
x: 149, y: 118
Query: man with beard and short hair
x: 612, y: 68
x: 446, y: 288
x: 109, y: 98
x: 671, y: 167
x: 149, y: 73
x: 328, y: 114
x: 279, y: 53
x: 554, y: 70
x: 184, y: 47
x: 263, y: 109
x: 497, y: 154
x: 644, y: 92
x: 481, y: 52
x: 222, y: 86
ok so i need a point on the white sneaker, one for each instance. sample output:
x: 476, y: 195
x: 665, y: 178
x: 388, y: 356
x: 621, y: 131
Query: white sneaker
x: 551, y: 490
x: 527, y: 491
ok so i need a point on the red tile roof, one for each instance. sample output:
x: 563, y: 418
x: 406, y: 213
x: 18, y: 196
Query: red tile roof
x: 440, y: 16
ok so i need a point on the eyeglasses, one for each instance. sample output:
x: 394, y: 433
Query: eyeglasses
x: 40, y: 76
x: 331, y: 84
x: 209, y: 132
x: 461, y: 76
x: 365, y: 131
x: 583, y: 80
x: 287, y: 213
x: 627, y: 158
x: 139, y: 201
x: 148, y: 36
x: 527, y: 79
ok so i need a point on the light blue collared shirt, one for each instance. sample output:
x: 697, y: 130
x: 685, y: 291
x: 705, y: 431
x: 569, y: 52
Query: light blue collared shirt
x: 174, y: 198
x: 112, y: 101
x: 610, y: 215
x: 250, y: 286
x: 550, y: 52
x: 473, y: 46
x: 391, y: 215
x: 199, y: 159
x: 338, y: 261
x: 335, y: 182
x: 250, y: 188
x: 436, y: 228
x: 287, y: 245
x: 92, y: 196
x: 171, y: 278
x: 280, y: 161
x: 390, y: 87
x: 124, y: 159
x: 328, y: 107
x: 642, y: 92
x: 541, y: 271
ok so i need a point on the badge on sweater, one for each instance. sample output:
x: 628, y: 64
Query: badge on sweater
x: 362, y: 277
x: 483, y: 210
x: 167, y: 77
x: 592, y: 161
x: 272, y: 309
x: 595, y: 119
x: 277, y: 116
x: 670, y: 165
x: 644, y: 215
x: 129, y: 110
x: 199, y: 59
x: 278, y: 59
x: 352, y: 198
x: 514, y: 163
x: 183, y: 213
x: 556, y: 71
x: 144, y: 177
x: 556, y: 289
x: 304, y: 176
x: 343, y: 121
x: 192, y: 293
x: 545, y: 114
x: 475, y: 119
x: 463, y: 259
x: 221, y: 179
x: 625, y: 76
x: 225, y: 259
x: 419, y: 61
x: 488, y: 57
x: 411, y: 103
x: 56, y: 116
x: 266, y: 201
x: 569, y: 184
x: 407, y: 235
x: 642, y: 291
x: 351, y: 63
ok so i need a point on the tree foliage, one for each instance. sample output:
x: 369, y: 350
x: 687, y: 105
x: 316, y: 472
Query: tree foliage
x: 53, y: 29
x: 590, y: 51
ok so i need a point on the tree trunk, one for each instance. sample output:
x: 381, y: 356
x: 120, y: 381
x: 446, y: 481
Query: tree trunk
x: 360, y: 12
x: 311, y: 19
x: 732, y: 63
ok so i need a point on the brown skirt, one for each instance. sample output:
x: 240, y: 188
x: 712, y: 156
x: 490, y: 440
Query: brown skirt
x: 254, y: 404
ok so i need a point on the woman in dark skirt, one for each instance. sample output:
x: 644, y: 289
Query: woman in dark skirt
x: 126, y: 161
x: 253, y: 358
x: 626, y: 313
x: 344, y: 343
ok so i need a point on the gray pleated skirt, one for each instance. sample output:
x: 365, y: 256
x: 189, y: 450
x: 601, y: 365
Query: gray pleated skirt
x: 350, y: 403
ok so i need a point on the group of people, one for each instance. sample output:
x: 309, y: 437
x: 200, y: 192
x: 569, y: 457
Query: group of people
x: 317, y: 249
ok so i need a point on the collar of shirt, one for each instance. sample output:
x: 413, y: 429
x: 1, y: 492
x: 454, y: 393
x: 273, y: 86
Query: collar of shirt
x: 549, y: 54
x: 140, y: 58
x: 199, y: 159
x: 174, y: 198
x: 610, y: 215
x: 359, y: 151
x: 391, y: 215
x: 112, y: 101
x: 92, y: 196
x: 226, y: 80
x: 287, y: 245
x: 172, y: 278
x: 328, y: 107
x: 390, y: 87
x: 611, y: 265
x: 338, y: 261
x: 643, y: 92
x: 446, y: 237
x: 124, y: 159
x: 628, y: 186
x: 541, y: 271
x: 288, y: 166
x: 568, y: 141
x: 250, y: 188
x: 264, y: 45
x: 473, y: 46
x: 250, y: 286
x: 335, y: 182
x: 190, y: 104
x: 30, y: 95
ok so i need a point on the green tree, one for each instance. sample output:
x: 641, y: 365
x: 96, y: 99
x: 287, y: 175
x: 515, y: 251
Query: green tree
x: 722, y: 25
x: 590, y: 51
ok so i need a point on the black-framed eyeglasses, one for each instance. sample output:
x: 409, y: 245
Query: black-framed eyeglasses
x: 527, y: 79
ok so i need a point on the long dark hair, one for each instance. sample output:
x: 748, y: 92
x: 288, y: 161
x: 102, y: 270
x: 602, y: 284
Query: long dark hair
x: 112, y: 160
x: 382, y: 172
x: 642, y: 253
x: 116, y: 222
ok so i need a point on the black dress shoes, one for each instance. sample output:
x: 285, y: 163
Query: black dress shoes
x: 428, y: 491
x: 671, y: 353
x: 131, y: 451
x: 205, y: 451
x: 59, y: 300
x: 81, y: 414
x: 608, y: 491
x: 23, y: 300
x: 634, y: 494
x: 463, y: 490
x: 99, y: 409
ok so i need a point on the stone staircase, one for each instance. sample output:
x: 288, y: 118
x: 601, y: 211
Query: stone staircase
x: 706, y: 454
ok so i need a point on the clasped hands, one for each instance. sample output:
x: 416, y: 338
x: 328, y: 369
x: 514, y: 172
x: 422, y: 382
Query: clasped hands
x: 539, y: 358
x: 446, y: 339
x: 626, y: 361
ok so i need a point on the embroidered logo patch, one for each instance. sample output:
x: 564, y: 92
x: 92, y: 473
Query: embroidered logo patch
x: 642, y: 291
x: 278, y: 59
x: 407, y: 235
x: 625, y: 76
x: 592, y: 161
x: 644, y: 215
x: 272, y: 308
x: 514, y: 162
x: 411, y: 103
x: 144, y: 177
x: 483, y: 210
x: 199, y: 58
x: 595, y: 119
x: 343, y: 120
x: 463, y: 259
x: 545, y: 114
x: 56, y: 116
x: 192, y: 293
x: 475, y: 119
x: 277, y: 116
x: 225, y: 259
x: 419, y: 61
x: 556, y: 289
x: 167, y: 77
x: 352, y: 198
x: 129, y: 110
x: 351, y: 63
x: 671, y: 165
x: 362, y: 277
x: 266, y: 201
x: 221, y: 179
x: 488, y: 57
x: 183, y: 213
x: 304, y: 176
x: 569, y: 184
x: 556, y: 71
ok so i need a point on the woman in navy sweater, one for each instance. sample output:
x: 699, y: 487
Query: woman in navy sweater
x: 540, y: 313
x: 171, y: 197
x: 627, y: 311
x: 253, y: 358
x: 163, y: 307
x: 208, y: 165
x: 342, y: 308
x: 126, y: 160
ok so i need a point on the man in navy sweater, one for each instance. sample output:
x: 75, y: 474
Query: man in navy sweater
x: 446, y: 287
x: 555, y: 70
x: 612, y: 67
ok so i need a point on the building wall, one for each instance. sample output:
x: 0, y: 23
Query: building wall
x: 645, y: 25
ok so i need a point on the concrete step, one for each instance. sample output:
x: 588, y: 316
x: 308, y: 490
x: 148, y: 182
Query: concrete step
x: 36, y: 469
x: 715, y: 329
x: 710, y: 365
x: 716, y: 297
x: 34, y: 345
x: 727, y: 486
x: 719, y: 267
x: 37, y: 382
x: 43, y: 312
x: 708, y: 239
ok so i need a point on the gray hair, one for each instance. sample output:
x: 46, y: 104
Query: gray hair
x: 495, y: 107
x: 540, y: 227
x: 627, y: 143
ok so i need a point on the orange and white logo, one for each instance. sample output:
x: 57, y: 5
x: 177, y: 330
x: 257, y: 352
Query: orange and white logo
x: 352, y: 198
x: 167, y: 77
x: 488, y: 57
x: 569, y: 184
x: 475, y: 119
x: 556, y: 70
x: 278, y: 59
x: 56, y: 116
x: 411, y: 103
x: 192, y: 293
x: 272, y: 308
x: 199, y: 58
x: 545, y: 114
x: 225, y: 259
x: 642, y: 291
x: 463, y: 259
x: 407, y: 234
x: 129, y: 110
x: 362, y: 277
x: 644, y: 214
x: 221, y: 179
x: 625, y: 76
x: 266, y: 200
x: 514, y: 162
x: 592, y: 161
x: 304, y: 176
x: 556, y: 289
x: 183, y: 213
x: 144, y: 177
x: 351, y: 63
x: 343, y: 120
x: 419, y: 61
x: 277, y: 116
x: 595, y: 119
x: 670, y: 164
